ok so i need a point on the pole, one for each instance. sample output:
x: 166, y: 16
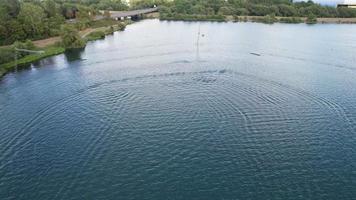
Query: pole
x: 15, y: 60
x: 24, y: 50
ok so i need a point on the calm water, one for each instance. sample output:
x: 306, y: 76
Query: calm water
x: 148, y: 114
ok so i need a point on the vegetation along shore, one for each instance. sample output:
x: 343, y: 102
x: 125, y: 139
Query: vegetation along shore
x: 267, y: 11
x: 47, y: 28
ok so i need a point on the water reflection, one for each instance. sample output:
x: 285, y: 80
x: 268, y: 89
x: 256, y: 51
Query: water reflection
x: 74, y: 54
x: 46, y: 62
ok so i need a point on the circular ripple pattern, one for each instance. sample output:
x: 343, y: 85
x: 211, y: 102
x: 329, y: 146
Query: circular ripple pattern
x: 154, y: 136
x: 144, y: 114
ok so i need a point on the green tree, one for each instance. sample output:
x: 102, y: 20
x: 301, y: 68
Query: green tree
x: 53, y: 25
x: 261, y: 10
x: 51, y: 8
x: 199, y: 9
x: 226, y: 10
x: 311, y: 19
x: 346, y: 12
x: 241, y: 11
x: 112, y: 5
x: 32, y: 19
x: 182, y: 6
x: 11, y: 7
x: 138, y: 4
x: 70, y: 37
x: 14, y: 31
x: 287, y: 10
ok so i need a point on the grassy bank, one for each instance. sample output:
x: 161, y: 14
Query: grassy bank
x: 98, y: 30
x: 101, y: 32
x: 22, y: 62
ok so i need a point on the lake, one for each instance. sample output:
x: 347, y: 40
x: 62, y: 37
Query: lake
x: 241, y: 111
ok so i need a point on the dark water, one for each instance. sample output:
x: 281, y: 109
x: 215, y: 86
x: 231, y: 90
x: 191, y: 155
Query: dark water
x: 256, y: 112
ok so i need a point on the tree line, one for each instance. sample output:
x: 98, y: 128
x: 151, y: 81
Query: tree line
x: 37, y: 19
x: 282, y: 8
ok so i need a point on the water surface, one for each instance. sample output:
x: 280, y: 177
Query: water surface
x: 253, y: 111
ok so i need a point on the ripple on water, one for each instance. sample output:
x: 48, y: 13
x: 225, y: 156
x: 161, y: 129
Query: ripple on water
x: 169, y: 126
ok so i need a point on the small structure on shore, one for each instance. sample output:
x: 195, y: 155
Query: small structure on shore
x: 347, y: 4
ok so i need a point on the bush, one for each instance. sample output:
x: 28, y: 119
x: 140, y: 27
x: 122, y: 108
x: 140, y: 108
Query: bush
x: 262, y: 10
x: 71, y: 38
x: 121, y: 26
x: 164, y: 9
x: 311, y: 19
x: 82, y: 24
x: 96, y: 35
x: 226, y: 11
x: 287, y: 10
x: 241, y: 11
x: 24, y: 45
x: 346, y: 12
x: 7, y: 54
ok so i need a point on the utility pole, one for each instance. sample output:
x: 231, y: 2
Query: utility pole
x: 27, y: 51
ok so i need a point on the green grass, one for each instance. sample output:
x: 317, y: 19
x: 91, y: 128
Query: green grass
x: 101, y: 32
x: 49, y: 51
x: 103, y: 23
x: 2, y: 72
x: 96, y: 35
x: 105, y: 27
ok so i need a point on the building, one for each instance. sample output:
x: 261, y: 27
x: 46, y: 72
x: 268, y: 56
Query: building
x: 347, y: 4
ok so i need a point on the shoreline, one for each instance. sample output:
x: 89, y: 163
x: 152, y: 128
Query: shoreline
x: 50, y: 47
x: 23, y: 62
x: 258, y: 19
x: 319, y: 20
